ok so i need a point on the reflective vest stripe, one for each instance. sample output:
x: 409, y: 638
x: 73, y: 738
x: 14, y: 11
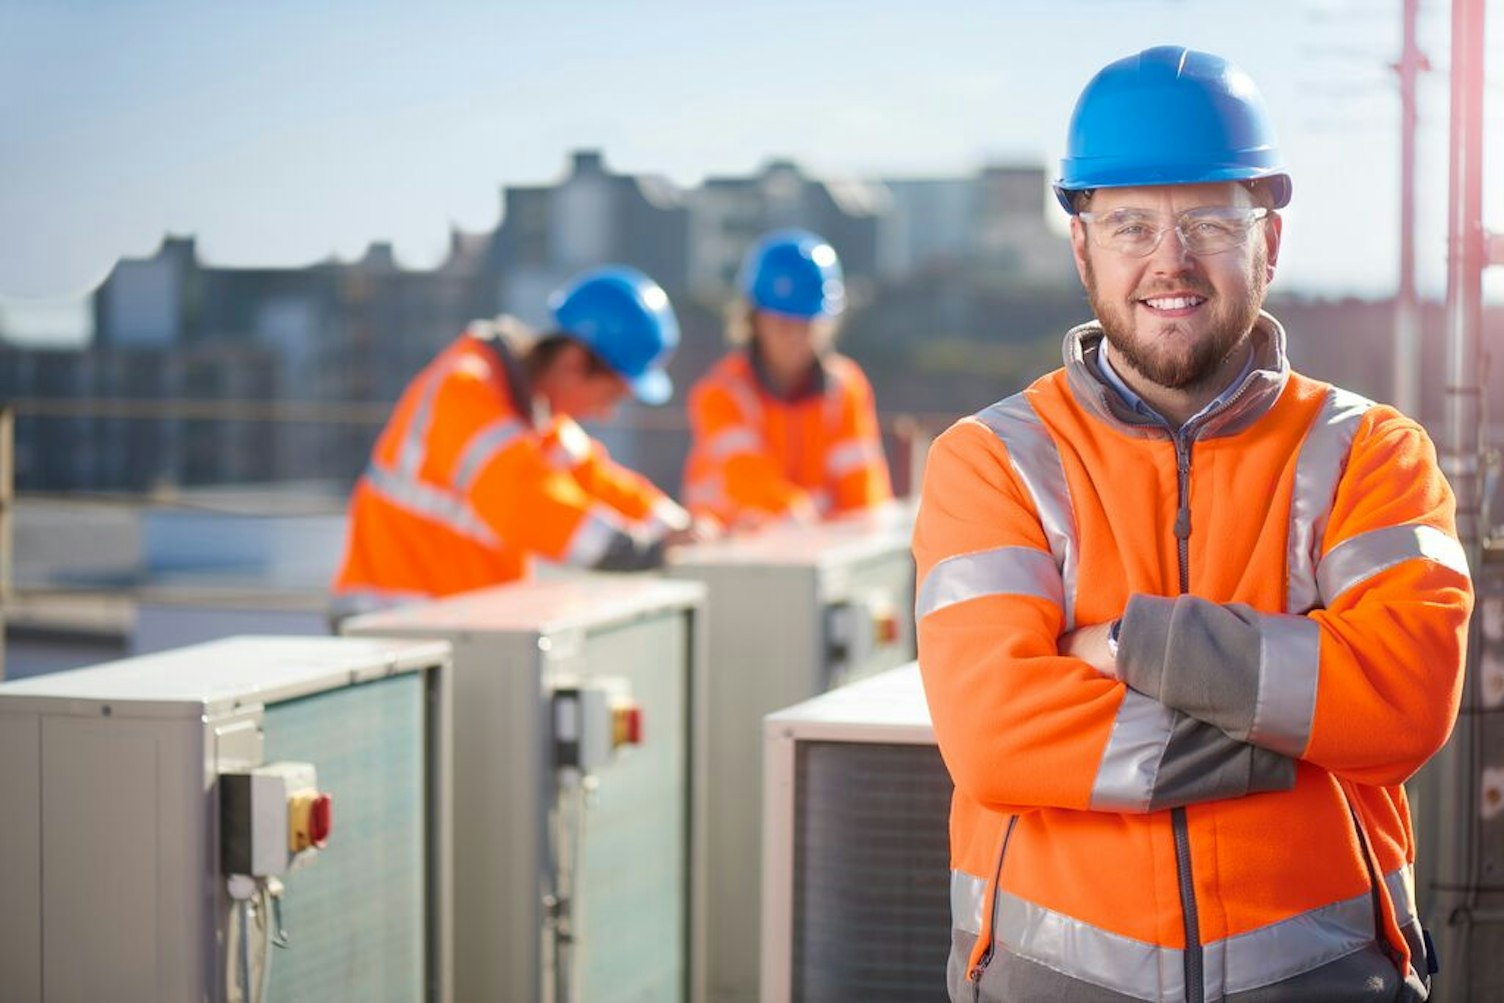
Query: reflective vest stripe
x: 483, y: 445
x: 1135, y: 748
x: 1289, y: 665
x: 1241, y: 963
x: 1020, y: 571
x: 1036, y: 461
x: 429, y: 502
x: 733, y: 441
x: 592, y: 538
x: 849, y: 455
x: 415, y: 436
x: 1318, y: 468
x: 1357, y: 559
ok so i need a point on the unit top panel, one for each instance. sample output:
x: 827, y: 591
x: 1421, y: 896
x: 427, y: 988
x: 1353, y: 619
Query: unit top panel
x: 204, y: 679
x: 537, y: 606
x: 887, y: 707
x: 850, y: 538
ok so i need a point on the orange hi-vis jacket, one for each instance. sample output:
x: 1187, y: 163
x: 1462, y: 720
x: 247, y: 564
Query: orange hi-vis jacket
x: 464, y: 487
x: 758, y: 457
x: 1225, y: 820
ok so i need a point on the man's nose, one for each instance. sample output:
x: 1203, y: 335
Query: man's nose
x: 1171, y: 251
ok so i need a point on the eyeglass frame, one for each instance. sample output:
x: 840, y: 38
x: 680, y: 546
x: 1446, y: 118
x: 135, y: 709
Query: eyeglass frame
x: 1251, y: 215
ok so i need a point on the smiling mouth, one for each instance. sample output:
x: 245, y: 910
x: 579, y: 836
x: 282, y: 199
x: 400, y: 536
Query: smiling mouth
x: 1186, y: 302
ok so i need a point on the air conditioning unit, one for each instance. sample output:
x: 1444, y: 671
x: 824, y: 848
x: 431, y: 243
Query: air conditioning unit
x: 574, y: 776
x: 856, y: 873
x: 794, y: 612
x: 160, y: 840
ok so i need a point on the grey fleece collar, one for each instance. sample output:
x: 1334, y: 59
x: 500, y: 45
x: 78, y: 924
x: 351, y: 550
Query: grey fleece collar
x: 1253, y: 398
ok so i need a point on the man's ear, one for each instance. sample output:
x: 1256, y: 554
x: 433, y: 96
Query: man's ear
x: 1274, y: 226
x: 1078, y: 246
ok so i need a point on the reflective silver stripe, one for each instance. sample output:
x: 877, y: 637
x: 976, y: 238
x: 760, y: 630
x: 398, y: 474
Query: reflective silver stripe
x: 1322, y: 459
x: 1359, y: 558
x: 1290, y: 947
x: 592, y: 537
x: 1036, y: 461
x: 1017, y: 571
x: 483, y: 445
x: 571, y: 446
x: 968, y: 893
x: 731, y: 441
x: 432, y: 503
x: 1289, y: 665
x: 1130, y: 763
x: 665, y: 516
x: 410, y: 456
x: 853, y: 454
x: 1145, y: 971
x: 1089, y: 953
x: 746, y: 401
x: 1401, y: 885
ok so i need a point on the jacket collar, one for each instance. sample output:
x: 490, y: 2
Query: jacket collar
x: 812, y: 386
x: 509, y: 369
x: 1260, y: 388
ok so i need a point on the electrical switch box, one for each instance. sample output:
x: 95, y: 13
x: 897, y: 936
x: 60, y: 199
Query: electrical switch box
x: 272, y: 817
x: 593, y: 721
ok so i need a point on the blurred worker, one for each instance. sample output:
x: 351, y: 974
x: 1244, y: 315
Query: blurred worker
x: 482, y: 465
x: 785, y: 428
x: 1187, y: 619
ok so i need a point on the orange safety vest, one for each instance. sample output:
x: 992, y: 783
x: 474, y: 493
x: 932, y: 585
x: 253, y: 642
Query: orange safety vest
x: 463, y: 487
x: 1227, y: 820
x: 757, y: 457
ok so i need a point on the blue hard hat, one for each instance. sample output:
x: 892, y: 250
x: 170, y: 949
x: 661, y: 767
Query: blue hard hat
x: 626, y: 319
x: 794, y: 272
x: 1170, y: 116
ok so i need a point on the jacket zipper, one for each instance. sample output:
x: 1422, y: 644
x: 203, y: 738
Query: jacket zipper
x: 1194, y: 991
x: 975, y: 975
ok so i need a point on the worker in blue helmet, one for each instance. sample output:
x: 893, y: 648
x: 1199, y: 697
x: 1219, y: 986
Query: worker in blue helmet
x: 1177, y: 604
x: 483, y: 466
x: 783, y: 427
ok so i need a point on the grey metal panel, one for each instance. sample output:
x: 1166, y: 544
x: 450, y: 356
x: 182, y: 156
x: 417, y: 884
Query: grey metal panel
x: 123, y: 861
x: 356, y: 915
x: 20, y: 857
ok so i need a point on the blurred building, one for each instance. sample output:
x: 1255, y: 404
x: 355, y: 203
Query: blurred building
x: 174, y: 332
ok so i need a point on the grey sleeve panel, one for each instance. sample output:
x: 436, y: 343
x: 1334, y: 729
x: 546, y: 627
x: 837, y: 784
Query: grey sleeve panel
x: 1251, y: 674
x: 626, y: 552
x: 1203, y: 764
x: 1157, y: 758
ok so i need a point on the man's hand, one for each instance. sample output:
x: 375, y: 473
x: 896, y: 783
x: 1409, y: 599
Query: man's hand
x: 1090, y: 645
x: 701, y: 530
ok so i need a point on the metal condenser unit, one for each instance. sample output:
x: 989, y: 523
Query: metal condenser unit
x: 574, y: 699
x: 856, y: 899
x: 794, y: 611
x: 258, y: 818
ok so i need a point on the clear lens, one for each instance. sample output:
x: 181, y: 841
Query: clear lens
x: 1137, y: 232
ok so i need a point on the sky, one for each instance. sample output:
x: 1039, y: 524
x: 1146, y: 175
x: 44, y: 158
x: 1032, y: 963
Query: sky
x: 281, y: 133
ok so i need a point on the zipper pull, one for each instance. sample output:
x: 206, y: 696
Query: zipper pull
x: 1183, y: 524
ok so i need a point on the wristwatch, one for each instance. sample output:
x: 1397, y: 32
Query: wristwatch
x: 1112, y: 638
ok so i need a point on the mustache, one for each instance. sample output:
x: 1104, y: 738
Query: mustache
x: 1197, y: 287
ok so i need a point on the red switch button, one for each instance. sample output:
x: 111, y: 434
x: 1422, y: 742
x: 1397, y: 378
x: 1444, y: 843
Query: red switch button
x: 321, y: 820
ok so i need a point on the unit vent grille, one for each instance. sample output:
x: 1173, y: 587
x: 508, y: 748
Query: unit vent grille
x: 871, y: 872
